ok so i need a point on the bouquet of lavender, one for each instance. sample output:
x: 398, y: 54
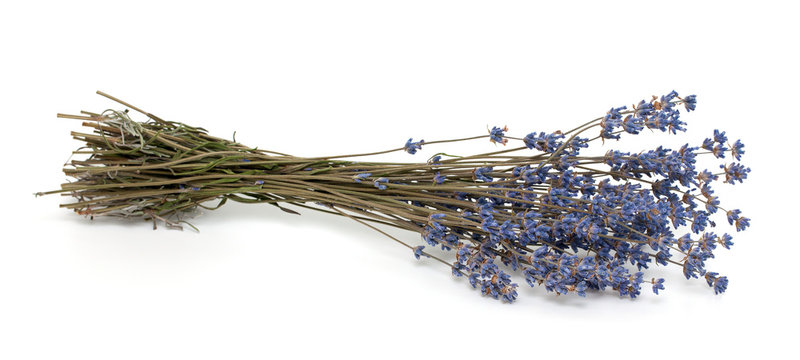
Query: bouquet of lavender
x: 543, y: 210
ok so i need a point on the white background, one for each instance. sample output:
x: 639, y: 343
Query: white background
x: 326, y: 78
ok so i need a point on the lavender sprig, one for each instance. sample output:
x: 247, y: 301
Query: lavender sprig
x: 545, y: 210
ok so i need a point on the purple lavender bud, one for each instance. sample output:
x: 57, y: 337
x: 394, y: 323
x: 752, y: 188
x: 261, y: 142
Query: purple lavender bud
x: 737, y: 150
x: 436, y: 160
x: 735, y: 172
x: 411, y: 147
x: 658, y: 284
x: 418, y: 252
x: 719, y: 136
x: 482, y: 174
x: 379, y: 183
x: 725, y: 241
x: 496, y: 135
x: 358, y: 177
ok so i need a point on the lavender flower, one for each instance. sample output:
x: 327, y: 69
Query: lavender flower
x: 482, y: 174
x: 358, y: 177
x: 737, y: 150
x: 725, y: 241
x: 690, y: 102
x: 658, y: 285
x: 439, y: 178
x: 496, y: 135
x: 719, y: 283
x: 543, y: 142
x: 411, y: 147
x: 720, y: 137
x: 380, y: 183
x: 735, y: 172
x: 742, y: 223
x: 418, y: 252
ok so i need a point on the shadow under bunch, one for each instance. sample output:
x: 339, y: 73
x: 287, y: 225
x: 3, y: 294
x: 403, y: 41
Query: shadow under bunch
x: 561, y: 219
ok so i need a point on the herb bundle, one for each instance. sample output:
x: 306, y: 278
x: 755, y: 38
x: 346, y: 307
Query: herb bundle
x: 557, y: 218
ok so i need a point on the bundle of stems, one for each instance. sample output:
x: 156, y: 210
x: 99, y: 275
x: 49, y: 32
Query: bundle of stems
x: 563, y: 220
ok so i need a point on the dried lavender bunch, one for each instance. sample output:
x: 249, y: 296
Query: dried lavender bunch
x: 568, y: 221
